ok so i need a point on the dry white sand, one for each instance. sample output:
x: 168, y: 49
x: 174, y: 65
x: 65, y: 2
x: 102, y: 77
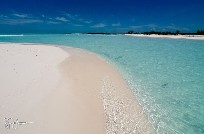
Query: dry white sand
x: 29, y: 74
x: 193, y: 37
x: 65, y: 91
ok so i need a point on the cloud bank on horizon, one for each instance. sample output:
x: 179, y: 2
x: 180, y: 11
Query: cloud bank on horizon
x: 101, y: 16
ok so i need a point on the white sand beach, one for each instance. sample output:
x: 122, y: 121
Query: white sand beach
x: 46, y: 89
x: 193, y: 37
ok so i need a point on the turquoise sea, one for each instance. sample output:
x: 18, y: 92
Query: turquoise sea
x: 165, y: 75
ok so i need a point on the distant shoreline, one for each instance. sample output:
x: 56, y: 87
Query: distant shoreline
x: 194, y: 37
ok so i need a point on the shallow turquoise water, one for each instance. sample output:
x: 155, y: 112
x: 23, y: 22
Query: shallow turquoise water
x: 166, y: 75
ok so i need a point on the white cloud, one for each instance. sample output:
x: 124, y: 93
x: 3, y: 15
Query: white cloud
x: 20, y: 21
x: 75, y: 18
x: 173, y: 27
x: 71, y: 16
x: 80, y: 19
x: 152, y: 26
x: 19, y: 18
x: 16, y: 18
x: 61, y: 19
x: 53, y: 22
x: 116, y: 24
x: 3, y: 16
x: 84, y: 21
x: 78, y: 25
x: 20, y: 15
x: 135, y: 27
x: 100, y: 25
x: 87, y: 22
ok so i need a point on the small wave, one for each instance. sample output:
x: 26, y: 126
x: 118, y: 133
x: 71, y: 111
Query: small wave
x: 10, y: 35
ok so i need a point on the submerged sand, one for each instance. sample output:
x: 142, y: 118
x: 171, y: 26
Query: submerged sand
x: 64, y: 90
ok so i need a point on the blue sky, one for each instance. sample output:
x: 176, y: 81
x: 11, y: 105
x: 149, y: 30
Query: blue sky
x: 67, y: 16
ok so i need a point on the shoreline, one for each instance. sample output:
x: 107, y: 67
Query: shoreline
x: 90, y: 96
x: 193, y: 37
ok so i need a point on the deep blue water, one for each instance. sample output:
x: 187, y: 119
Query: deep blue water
x: 166, y: 75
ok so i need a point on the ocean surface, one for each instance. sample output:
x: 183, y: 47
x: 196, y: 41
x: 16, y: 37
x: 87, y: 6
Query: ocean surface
x: 165, y: 75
